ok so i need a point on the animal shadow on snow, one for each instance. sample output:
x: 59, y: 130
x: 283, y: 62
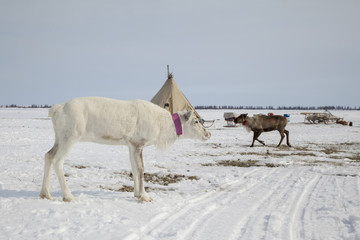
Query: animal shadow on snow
x: 5, y: 193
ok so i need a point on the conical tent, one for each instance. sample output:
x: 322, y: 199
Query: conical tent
x: 171, y: 98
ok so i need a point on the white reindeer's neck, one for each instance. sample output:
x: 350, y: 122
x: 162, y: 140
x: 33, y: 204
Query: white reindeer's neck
x: 167, y: 133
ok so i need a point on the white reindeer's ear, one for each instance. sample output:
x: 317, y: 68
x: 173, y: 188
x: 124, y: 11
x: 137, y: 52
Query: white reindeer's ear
x: 188, y: 114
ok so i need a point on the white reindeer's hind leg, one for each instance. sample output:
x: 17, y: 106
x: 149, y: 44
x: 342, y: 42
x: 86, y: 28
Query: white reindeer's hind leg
x: 49, y: 156
x: 137, y: 166
x: 56, y: 157
x: 63, y: 151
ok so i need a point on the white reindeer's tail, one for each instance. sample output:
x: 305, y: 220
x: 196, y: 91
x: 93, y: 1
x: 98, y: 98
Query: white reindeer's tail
x: 52, y: 113
x: 53, y: 109
x: 50, y: 154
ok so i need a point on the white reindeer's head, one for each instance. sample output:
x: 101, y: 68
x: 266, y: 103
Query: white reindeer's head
x: 192, y: 127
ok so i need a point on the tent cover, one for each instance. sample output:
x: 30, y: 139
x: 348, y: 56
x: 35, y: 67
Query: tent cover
x: 171, y: 98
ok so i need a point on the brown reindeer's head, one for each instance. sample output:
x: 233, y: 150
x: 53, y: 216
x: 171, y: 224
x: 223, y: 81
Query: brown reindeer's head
x: 241, y: 119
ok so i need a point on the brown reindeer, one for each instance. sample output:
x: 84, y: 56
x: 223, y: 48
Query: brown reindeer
x: 259, y: 124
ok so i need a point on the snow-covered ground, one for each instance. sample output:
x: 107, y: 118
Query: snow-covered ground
x: 219, y: 189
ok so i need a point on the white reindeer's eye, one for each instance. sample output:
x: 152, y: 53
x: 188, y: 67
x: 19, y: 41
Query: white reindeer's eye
x: 196, y: 122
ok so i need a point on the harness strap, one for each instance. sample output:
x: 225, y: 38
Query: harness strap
x: 244, y: 123
x: 177, y: 123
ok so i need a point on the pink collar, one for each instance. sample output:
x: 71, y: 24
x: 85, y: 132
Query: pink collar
x: 244, y: 123
x: 177, y: 123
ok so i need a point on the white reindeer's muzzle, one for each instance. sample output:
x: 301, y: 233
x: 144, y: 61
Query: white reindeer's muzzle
x: 207, y: 135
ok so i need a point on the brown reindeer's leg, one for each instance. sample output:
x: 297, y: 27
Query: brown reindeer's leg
x: 254, y: 138
x: 256, y: 135
x: 282, y: 138
x: 262, y: 142
x: 287, y: 137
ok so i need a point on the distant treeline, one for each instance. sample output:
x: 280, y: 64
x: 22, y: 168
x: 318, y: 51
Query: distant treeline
x: 224, y: 107
x: 279, y: 107
x: 31, y: 106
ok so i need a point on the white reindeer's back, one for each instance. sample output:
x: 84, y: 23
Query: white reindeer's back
x: 110, y: 121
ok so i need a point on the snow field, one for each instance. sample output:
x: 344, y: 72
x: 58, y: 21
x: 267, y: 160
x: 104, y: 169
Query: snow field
x: 309, y: 191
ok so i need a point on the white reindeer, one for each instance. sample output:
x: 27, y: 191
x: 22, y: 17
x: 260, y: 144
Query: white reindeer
x: 134, y: 123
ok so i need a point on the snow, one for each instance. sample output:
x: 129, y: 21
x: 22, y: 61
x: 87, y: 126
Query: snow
x: 309, y: 191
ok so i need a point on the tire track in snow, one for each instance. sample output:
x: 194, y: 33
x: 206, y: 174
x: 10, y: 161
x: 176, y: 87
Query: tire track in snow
x: 255, y: 223
x: 326, y: 213
x: 197, y: 209
x: 218, y: 224
x: 222, y: 199
x: 298, y: 209
x: 312, y: 212
x: 201, y: 210
x: 275, y: 214
x: 189, y: 214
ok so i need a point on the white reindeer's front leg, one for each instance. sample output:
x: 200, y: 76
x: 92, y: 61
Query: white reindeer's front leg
x: 137, y: 166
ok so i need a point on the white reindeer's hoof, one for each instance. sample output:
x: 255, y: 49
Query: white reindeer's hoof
x: 68, y: 198
x: 46, y: 196
x: 144, y: 198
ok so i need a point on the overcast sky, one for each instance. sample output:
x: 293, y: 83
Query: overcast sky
x: 225, y: 52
